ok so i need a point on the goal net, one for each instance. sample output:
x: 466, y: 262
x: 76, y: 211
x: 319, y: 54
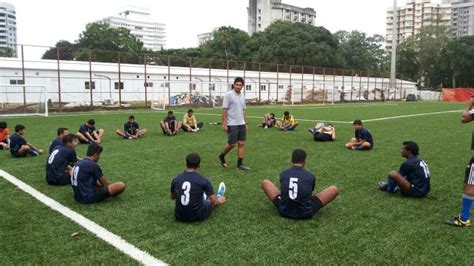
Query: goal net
x: 23, y: 100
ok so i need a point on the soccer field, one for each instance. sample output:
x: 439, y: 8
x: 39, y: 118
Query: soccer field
x: 362, y: 226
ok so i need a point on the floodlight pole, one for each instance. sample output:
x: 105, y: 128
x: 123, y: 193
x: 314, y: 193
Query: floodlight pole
x: 393, y: 67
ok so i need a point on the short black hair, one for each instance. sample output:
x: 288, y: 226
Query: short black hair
x: 61, y: 130
x: 94, y: 148
x: 190, y: 111
x: 91, y: 122
x: 19, y: 127
x: 357, y: 122
x: 3, y: 125
x: 193, y: 160
x: 239, y: 79
x: 286, y: 113
x: 272, y: 114
x: 330, y: 124
x: 298, y: 156
x: 170, y: 112
x: 412, y: 147
x: 69, y: 138
x: 131, y: 117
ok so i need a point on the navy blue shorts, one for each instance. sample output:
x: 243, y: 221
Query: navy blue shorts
x: 316, y: 202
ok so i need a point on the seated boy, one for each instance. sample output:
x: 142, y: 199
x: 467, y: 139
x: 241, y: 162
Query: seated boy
x: 323, y: 133
x: 189, y: 122
x: 296, y: 199
x: 288, y: 122
x: 60, y: 162
x: 88, y: 134
x: 187, y: 190
x: 4, y: 136
x: 362, y: 140
x: 59, y: 140
x: 170, y: 125
x: 131, y: 129
x: 19, y: 147
x: 88, y: 182
x: 269, y: 120
x: 413, y: 178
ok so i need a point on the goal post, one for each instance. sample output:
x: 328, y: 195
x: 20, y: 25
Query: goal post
x: 23, y: 100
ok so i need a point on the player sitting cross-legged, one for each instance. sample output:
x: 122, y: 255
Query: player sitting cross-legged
x: 88, y: 134
x: 413, y: 178
x: 288, y: 122
x: 362, y: 140
x: 189, y: 122
x: 295, y: 200
x: 187, y: 190
x: 19, y: 147
x: 131, y: 129
x: 170, y: 125
x: 60, y: 162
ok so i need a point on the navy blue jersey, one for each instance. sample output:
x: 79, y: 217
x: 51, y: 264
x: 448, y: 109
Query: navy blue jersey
x: 416, y: 171
x: 170, y: 120
x: 85, y: 175
x: 188, y: 187
x: 131, y: 128
x: 84, y: 128
x: 56, y: 142
x: 364, y: 134
x: 16, y: 141
x: 297, y: 187
x: 57, y: 163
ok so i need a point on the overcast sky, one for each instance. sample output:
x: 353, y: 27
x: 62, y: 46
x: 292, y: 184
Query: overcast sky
x: 44, y: 22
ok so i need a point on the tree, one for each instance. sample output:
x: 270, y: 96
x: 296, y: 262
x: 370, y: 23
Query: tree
x: 456, y: 61
x: 66, y: 51
x: 362, y: 52
x: 407, y: 61
x: 226, y: 43
x: 106, y: 42
x: 7, y: 52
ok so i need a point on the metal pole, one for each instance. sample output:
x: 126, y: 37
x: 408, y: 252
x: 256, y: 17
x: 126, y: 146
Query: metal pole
x: 90, y: 76
x: 333, y: 83
x: 190, y: 80
x: 259, y: 86
x: 278, y: 81
x: 302, y: 81
x: 324, y: 86
x: 59, y: 77
x: 146, y: 80
x: 227, y: 67
x: 394, y: 46
x: 245, y: 67
x: 352, y: 81
x: 23, y: 74
x: 119, y: 81
x: 210, y: 93
x: 169, y: 81
x: 360, y: 83
x: 343, y: 87
x: 313, y: 84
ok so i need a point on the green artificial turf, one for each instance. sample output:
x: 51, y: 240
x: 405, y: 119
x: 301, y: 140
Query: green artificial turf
x: 362, y: 226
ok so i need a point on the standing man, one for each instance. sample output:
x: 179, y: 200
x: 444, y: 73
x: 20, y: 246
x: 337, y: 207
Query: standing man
x: 234, y: 123
x: 463, y: 219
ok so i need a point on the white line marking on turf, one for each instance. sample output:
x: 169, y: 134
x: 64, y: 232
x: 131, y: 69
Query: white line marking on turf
x: 412, y: 115
x: 102, y: 233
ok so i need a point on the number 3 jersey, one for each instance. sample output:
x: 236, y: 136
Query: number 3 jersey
x: 416, y: 171
x: 297, y: 187
x: 188, y: 187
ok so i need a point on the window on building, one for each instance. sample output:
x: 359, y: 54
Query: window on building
x: 281, y: 87
x: 248, y: 87
x: 116, y: 85
x: 212, y: 87
x: 17, y: 82
x: 263, y: 87
x: 87, y: 87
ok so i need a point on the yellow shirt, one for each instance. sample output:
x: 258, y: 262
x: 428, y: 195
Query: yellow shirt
x: 289, y: 121
x: 190, y: 121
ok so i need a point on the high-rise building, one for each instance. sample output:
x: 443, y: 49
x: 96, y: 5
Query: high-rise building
x: 463, y: 18
x: 138, y: 21
x: 7, y: 28
x: 204, y: 37
x: 414, y: 15
x: 262, y: 13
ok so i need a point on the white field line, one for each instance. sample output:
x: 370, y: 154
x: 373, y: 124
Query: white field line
x: 102, y: 233
x: 412, y: 115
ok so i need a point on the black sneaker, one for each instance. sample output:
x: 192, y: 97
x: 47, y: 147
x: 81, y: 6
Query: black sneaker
x: 243, y: 167
x: 222, y: 161
x: 456, y: 221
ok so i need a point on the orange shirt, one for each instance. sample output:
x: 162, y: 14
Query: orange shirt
x: 4, y: 133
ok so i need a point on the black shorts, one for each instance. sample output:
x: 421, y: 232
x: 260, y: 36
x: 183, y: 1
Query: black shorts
x: 366, y: 149
x: 316, y: 202
x: 101, y: 193
x: 65, y: 179
x: 18, y: 155
x: 413, y: 193
x: 236, y: 133
x: 318, y: 136
x: 86, y: 142
x: 201, y: 217
x: 469, y: 173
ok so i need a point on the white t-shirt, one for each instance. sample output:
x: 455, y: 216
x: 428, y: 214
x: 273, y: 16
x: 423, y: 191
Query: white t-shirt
x: 235, y: 104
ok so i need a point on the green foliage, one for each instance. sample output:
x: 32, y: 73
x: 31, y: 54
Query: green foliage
x: 362, y: 52
x: 226, y: 43
x: 66, y: 49
x: 6, y: 52
x: 457, y: 62
x: 362, y: 226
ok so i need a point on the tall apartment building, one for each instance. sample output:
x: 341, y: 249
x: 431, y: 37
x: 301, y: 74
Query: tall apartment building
x: 262, y: 13
x: 462, y: 23
x: 7, y: 27
x: 138, y: 21
x: 414, y: 15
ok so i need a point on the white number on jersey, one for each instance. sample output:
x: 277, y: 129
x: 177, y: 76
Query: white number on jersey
x: 425, y: 169
x: 293, y: 188
x: 185, y: 197
x: 51, y: 157
x: 75, y: 171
